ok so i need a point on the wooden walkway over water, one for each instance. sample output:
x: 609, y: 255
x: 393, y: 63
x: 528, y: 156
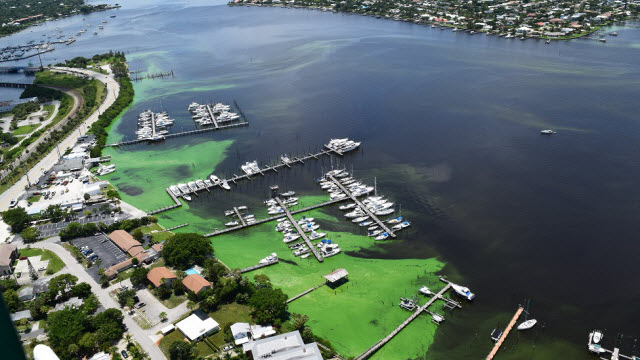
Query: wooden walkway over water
x: 362, y: 206
x: 303, y: 235
x: 184, y: 133
x: 272, y: 218
x: 259, y: 266
x: 395, y: 332
x: 512, y: 323
x: 306, y: 292
x: 176, y: 204
x: 213, y: 117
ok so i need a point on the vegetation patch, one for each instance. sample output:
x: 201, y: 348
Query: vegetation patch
x: 55, y: 263
x: 26, y: 129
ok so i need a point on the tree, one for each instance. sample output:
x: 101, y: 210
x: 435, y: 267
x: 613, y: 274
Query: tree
x: 184, y: 250
x: 123, y: 296
x: 262, y: 280
x: 128, y: 338
x: 12, y: 300
x: 163, y: 316
x: 299, y: 321
x: 139, y: 276
x: 81, y: 290
x: 109, y: 327
x: 87, y: 197
x: 60, y: 284
x: 163, y: 292
x: 30, y: 234
x: 182, y: 350
x: 191, y: 305
x: 135, y: 261
x: 17, y: 218
x: 65, y: 327
x: 87, y: 343
x: 268, y: 305
x: 137, y: 234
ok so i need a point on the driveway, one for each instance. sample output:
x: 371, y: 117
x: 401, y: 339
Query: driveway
x: 140, y: 335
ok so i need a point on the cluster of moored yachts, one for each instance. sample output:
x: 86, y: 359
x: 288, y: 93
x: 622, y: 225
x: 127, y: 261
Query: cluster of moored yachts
x: 326, y: 247
x: 248, y: 218
x: 376, y: 205
x: 146, y: 125
x: 342, y: 145
x: 210, y: 114
x: 185, y: 190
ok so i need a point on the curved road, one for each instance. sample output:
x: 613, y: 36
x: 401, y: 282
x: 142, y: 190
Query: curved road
x: 113, y: 89
x: 77, y: 104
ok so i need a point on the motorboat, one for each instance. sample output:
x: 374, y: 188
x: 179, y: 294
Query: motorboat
x: 305, y: 220
x: 463, y: 291
x: 382, y: 236
x: 354, y: 214
x: 250, y: 168
x: 183, y: 188
x: 310, y: 228
x: 372, y: 233
x: 395, y: 220
x: 597, y: 336
x: 208, y: 183
x: 232, y: 223
x: 437, y: 318
x: 407, y: 304
x: 347, y: 206
x: 269, y: 259
x: 288, y: 193
x: 302, y: 251
x: 547, y: 132
x: 360, y: 219
x: 365, y: 223
x: 371, y: 228
x: 425, y: 291
x: 275, y: 211
x: 225, y: 185
x: 242, y: 207
x: 330, y: 251
x: 316, y: 235
x: 186, y: 197
x: 401, y: 226
x: 290, y: 237
x: 174, y: 189
x: 200, y: 184
x: 304, y: 256
x: 337, y: 196
x: 229, y: 212
x: 526, y: 325
x: 384, y: 212
x: 290, y: 200
x: 192, y: 185
x: 285, y: 159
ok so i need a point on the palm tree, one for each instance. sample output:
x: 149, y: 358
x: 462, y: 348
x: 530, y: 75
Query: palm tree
x: 163, y: 316
x: 191, y: 305
x: 128, y: 338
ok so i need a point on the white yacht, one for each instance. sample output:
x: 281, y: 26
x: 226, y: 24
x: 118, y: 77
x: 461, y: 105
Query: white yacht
x: 463, y: 291
x: 330, y: 251
x: 395, y: 220
x: 225, y: 185
x: 208, y: 183
x: 275, y: 211
x: 290, y: 237
x: 384, y: 212
x: 526, y: 325
x: 250, y: 168
x: 269, y: 259
x: 360, y: 219
x: 305, y: 220
x: 232, y: 223
x: 347, y: 206
x: 200, y: 184
x: 288, y: 193
x: 425, y: 291
x: 192, y: 185
x: 316, y: 235
x: 547, y: 132
x: 183, y: 188
x: 174, y: 189
x: 186, y: 197
x: 310, y: 227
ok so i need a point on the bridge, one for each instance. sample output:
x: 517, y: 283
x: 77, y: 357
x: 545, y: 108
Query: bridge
x: 16, y: 69
x: 15, y: 85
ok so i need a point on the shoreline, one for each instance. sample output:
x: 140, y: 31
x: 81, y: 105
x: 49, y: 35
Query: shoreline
x: 440, y: 25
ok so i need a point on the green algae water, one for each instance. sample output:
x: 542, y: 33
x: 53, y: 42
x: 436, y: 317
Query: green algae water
x: 450, y: 129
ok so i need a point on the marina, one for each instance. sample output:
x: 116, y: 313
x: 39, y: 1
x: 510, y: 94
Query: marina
x: 594, y: 346
x: 299, y: 230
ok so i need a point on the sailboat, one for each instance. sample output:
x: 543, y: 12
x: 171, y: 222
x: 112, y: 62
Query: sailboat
x: 527, y: 324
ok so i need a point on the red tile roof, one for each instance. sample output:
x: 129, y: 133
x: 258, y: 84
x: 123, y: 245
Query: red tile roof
x: 195, y: 283
x: 156, y: 275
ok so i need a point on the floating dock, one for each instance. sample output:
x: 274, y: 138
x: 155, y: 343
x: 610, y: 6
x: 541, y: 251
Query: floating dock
x: 299, y: 230
x: 259, y: 266
x: 504, y: 335
x: 362, y: 206
x: 184, y: 133
x: 306, y: 292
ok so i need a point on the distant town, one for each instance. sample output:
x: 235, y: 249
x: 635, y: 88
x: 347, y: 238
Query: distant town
x: 515, y: 18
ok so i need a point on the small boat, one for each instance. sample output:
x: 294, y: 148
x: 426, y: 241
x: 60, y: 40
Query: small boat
x: 232, y: 223
x: 186, y: 197
x: 305, y: 220
x: 437, y: 318
x: 290, y: 237
x: 243, y: 207
x: 425, y: 291
x: 597, y: 336
x: 269, y: 259
x: 548, y: 41
x: 304, y: 256
x: 463, y: 291
x: 365, y: 223
x: 347, y: 206
x: 547, y: 132
x: 382, y: 236
x: 316, y: 235
x: 360, y: 219
x: 526, y: 325
x: 285, y: 159
x: 288, y: 193
x: 384, y: 212
x: 395, y: 220
x: 214, y: 179
x: 225, y: 185
x: 614, y: 34
x: 229, y: 212
x: 371, y: 228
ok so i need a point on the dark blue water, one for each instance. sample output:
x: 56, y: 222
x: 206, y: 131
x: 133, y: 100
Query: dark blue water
x: 450, y: 128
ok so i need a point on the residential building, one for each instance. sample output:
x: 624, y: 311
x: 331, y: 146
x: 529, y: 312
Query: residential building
x: 244, y: 332
x: 288, y: 346
x: 156, y: 275
x: 196, y: 283
x: 8, y: 253
x: 126, y: 242
x: 197, y: 326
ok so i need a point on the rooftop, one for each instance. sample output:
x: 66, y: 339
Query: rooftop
x: 197, y: 325
x: 5, y: 253
x: 195, y: 283
x: 156, y: 275
x: 126, y: 242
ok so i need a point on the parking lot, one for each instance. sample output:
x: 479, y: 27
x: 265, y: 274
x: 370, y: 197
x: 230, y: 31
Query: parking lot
x: 54, y: 229
x: 108, y: 253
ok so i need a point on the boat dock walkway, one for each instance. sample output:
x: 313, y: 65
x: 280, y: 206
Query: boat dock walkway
x: 259, y: 266
x: 615, y: 354
x: 272, y: 218
x: 420, y: 310
x: 504, y: 335
x: 213, y: 117
x: 306, y: 292
x: 299, y: 230
x: 184, y: 133
x: 363, y: 207
x: 176, y: 204
x: 244, y: 223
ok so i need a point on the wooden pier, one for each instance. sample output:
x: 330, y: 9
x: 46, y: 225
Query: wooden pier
x: 213, y: 117
x: 299, y: 230
x: 176, y: 204
x: 272, y: 218
x: 362, y: 206
x: 306, y: 292
x: 504, y: 335
x: 395, y: 332
x: 184, y: 133
x: 244, y: 223
x: 259, y: 266
x: 15, y: 85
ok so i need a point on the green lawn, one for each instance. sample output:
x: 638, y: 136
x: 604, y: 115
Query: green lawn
x: 162, y: 236
x: 34, y: 198
x: 26, y: 129
x: 149, y: 228
x: 174, y: 301
x: 55, y: 264
x: 228, y: 314
x: 169, y: 339
x: 204, y: 349
x: 62, y: 80
x: 49, y: 109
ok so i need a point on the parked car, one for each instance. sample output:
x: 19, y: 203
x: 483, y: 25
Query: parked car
x: 124, y: 354
x: 140, y: 305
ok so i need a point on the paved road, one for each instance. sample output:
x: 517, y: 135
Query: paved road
x: 113, y: 89
x: 140, y: 335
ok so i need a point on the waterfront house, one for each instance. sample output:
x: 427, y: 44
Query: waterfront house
x: 156, y: 275
x: 196, y: 283
x: 286, y: 346
x: 197, y: 326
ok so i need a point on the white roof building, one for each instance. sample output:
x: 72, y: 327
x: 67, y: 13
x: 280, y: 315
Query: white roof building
x: 243, y: 332
x: 195, y: 327
x: 287, y: 346
x: 43, y: 352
